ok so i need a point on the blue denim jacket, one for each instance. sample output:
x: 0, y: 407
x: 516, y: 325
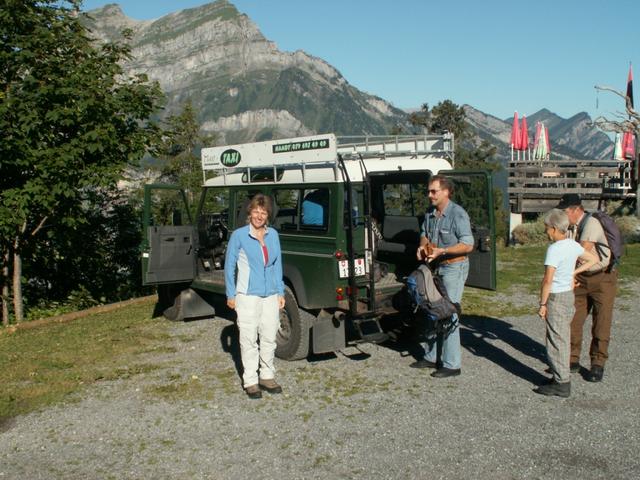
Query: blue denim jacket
x: 451, y: 228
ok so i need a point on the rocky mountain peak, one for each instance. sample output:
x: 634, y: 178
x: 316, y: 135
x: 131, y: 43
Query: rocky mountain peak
x: 109, y: 10
x: 581, y: 117
x: 244, y: 88
x: 218, y: 59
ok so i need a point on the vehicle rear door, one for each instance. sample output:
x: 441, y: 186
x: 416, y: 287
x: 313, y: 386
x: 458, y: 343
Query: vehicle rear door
x: 169, y: 241
x: 474, y: 192
x: 399, y: 202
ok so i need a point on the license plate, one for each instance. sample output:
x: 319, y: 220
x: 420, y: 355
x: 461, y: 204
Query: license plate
x: 343, y: 268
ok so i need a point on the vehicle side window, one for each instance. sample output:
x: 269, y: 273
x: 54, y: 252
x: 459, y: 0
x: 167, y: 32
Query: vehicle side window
x: 420, y: 198
x: 213, y: 229
x: 315, y: 209
x: 287, y: 216
x: 168, y: 207
x: 215, y: 201
x: 214, y: 217
x: 405, y: 199
x: 302, y: 210
x: 395, y: 200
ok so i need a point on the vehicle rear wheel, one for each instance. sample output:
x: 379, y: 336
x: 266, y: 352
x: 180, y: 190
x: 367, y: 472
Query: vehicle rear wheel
x: 293, y: 336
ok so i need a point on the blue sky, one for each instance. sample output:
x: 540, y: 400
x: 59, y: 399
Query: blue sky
x: 497, y: 56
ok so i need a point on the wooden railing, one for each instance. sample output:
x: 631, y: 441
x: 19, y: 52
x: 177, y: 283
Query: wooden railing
x: 536, y: 187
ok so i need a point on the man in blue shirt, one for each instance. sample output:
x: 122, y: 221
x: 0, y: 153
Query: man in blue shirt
x: 445, y: 241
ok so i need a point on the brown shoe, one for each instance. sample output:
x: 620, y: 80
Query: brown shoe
x: 270, y: 386
x: 253, y: 391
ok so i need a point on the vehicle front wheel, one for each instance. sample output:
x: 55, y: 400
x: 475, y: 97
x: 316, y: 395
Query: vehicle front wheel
x: 293, y: 336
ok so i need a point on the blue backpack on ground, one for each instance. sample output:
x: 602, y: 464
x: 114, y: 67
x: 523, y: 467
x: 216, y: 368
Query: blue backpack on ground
x: 429, y: 298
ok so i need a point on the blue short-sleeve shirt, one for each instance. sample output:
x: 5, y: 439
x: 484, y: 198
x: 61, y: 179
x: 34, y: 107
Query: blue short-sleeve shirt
x: 449, y: 229
x: 562, y: 255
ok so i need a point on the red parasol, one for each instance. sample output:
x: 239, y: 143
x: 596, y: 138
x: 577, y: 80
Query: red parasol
x: 628, y: 138
x: 515, y: 133
x: 524, y: 135
x: 547, y: 140
x: 628, y: 145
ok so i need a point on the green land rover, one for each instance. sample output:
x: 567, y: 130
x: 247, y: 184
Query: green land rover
x: 348, y: 211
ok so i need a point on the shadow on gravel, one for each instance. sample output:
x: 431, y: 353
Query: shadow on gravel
x: 230, y: 342
x: 7, y: 424
x: 478, y: 335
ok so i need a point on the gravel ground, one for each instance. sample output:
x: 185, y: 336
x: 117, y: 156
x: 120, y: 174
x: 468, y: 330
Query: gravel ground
x: 362, y: 413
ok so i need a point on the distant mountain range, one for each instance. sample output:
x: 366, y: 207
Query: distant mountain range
x: 570, y: 138
x: 245, y: 89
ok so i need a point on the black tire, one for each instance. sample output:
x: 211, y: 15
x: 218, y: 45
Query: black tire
x: 293, y: 336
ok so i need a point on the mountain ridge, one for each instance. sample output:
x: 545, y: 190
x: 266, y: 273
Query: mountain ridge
x: 245, y: 89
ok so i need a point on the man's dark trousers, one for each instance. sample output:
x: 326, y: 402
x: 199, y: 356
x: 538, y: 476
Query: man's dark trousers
x: 596, y: 294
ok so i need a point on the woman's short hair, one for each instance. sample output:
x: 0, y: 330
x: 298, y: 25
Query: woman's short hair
x: 260, y: 201
x: 557, y: 219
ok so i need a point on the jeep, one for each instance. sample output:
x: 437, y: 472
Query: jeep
x: 348, y: 211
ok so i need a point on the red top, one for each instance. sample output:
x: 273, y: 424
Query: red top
x: 265, y: 254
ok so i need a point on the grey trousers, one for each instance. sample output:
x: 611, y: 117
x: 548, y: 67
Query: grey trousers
x: 560, y: 310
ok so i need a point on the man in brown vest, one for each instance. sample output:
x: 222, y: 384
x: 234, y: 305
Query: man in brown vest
x: 596, y: 289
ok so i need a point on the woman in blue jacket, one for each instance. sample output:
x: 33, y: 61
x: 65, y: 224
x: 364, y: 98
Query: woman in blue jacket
x: 255, y: 290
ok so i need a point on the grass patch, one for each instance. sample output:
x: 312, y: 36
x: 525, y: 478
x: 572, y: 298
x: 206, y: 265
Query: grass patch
x: 189, y: 389
x: 305, y: 416
x: 43, y: 366
x: 225, y: 379
x: 339, y: 387
x: 629, y: 270
x: 520, y: 271
x: 126, y: 372
x: 321, y: 460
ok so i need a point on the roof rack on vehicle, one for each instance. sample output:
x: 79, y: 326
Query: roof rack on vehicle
x: 380, y: 146
x: 318, y: 151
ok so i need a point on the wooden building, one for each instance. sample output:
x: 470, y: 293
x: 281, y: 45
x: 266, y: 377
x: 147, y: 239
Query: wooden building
x: 535, y: 187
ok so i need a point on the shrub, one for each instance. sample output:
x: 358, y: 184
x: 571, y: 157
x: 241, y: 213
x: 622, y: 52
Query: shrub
x: 630, y: 228
x: 530, y: 233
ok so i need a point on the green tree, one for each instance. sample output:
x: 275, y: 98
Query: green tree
x: 179, y: 149
x: 96, y: 261
x: 421, y: 120
x: 446, y: 116
x: 481, y: 157
x: 70, y: 121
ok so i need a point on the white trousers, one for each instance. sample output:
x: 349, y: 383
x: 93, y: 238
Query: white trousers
x: 258, y: 317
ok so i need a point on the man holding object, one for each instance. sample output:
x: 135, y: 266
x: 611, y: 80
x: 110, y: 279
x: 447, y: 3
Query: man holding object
x: 445, y: 241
